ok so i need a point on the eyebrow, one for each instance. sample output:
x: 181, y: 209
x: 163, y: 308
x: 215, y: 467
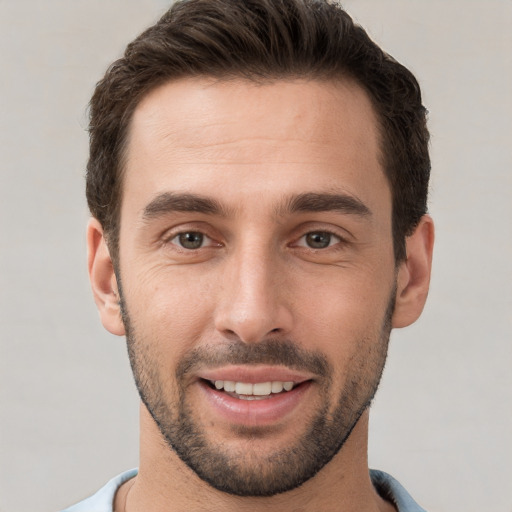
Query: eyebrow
x: 324, y: 202
x: 170, y: 202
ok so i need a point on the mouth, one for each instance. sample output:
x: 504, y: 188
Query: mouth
x: 252, y: 391
x: 253, y: 396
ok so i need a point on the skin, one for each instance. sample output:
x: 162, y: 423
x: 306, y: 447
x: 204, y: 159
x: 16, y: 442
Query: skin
x: 251, y: 148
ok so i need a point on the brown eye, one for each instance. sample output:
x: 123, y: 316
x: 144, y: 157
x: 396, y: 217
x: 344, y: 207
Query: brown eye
x: 318, y: 239
x: 190, y: 240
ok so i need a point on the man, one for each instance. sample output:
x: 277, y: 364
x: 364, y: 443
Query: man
x: 257, y: 179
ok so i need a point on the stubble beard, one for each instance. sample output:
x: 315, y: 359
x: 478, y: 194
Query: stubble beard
x: 249, y: 473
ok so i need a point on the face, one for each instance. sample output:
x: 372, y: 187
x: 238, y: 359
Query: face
x: 257, y: 272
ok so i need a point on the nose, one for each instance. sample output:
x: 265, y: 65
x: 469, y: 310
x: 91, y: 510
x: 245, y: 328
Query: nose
x: 253, y: 297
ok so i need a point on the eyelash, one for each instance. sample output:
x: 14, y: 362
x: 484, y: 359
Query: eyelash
x: 176, y: 241
x: 338, y: 239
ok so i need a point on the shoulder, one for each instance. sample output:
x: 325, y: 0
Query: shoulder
x: 391, y: 490
x: 102, y: 500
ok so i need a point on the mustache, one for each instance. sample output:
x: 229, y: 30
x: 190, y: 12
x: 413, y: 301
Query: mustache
x: 270, y: 351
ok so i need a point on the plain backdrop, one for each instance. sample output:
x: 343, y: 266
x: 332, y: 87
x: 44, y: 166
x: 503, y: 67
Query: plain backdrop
x: 442, y: 419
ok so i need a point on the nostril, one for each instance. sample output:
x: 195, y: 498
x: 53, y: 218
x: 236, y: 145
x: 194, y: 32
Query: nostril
x: 252, y: 325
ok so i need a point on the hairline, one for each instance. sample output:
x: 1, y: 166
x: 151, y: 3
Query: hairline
x: 112, y: 233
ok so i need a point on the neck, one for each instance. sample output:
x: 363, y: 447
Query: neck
x: 166, y: 484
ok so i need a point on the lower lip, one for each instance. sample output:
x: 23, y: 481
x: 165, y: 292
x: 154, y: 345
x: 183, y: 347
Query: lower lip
x: 261, y: 412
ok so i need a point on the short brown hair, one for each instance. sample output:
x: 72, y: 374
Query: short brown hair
x: 260, y: 40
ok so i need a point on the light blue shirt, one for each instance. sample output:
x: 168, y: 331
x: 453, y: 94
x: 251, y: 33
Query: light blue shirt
x: 386, y: 486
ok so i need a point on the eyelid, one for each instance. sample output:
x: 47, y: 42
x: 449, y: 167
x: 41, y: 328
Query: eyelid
x: 170, y: 234
x: 343, y: 234
x: 338, y: 240
x: 206, y: 240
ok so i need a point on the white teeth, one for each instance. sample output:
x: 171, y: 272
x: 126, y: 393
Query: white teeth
x: 229, y: 385
x: 262, y: 388
x: 243, y: 388
x: 277, y: 387
x: 248, y: 389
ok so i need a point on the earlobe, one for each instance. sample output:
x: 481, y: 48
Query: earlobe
x: 103, y: 279
x: 413, y: 278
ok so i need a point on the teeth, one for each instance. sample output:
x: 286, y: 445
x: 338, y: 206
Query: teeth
x: 258, y: 389
x: 228, y: 385
x: 262, y: 388
x: 277, y: 387
x: 241, y: 388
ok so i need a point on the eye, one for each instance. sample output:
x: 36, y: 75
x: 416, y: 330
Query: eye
x: 318, y: 240
x: 191, y: 240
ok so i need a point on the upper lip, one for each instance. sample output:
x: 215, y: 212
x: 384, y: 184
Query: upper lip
x: 255, y: 373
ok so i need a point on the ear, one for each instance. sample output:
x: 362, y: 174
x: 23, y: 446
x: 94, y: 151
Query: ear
x: 414, y: 274
x: 103, y: 279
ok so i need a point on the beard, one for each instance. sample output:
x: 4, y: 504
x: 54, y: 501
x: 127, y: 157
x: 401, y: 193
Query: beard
x: 246, y: 472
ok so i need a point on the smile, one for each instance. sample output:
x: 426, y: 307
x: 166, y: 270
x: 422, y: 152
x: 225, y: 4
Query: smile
x: 252, y: 391
x: 253, y: 404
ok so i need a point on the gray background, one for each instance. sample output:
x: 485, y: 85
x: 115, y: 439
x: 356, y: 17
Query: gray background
x: 442, y: 420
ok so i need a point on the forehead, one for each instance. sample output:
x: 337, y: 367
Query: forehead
x: 202, y: 135
x: 203, y: 112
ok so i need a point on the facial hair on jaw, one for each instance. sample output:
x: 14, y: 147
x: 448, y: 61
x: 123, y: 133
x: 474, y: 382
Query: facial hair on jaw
x: 244, y: 473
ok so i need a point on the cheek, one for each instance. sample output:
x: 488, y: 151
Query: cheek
x: 342, y: 307
x: 170, y: 309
